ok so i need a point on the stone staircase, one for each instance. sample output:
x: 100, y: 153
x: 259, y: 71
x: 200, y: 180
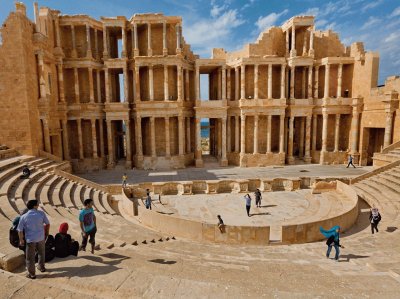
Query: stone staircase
x: 387, y: 155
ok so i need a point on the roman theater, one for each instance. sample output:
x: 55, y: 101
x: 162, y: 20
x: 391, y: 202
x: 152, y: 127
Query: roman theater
x: 84, y: 101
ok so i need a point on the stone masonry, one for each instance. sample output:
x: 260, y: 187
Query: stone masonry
x: 115, y: 91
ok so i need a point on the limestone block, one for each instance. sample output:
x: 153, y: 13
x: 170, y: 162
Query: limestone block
x: 212, y: 187
x: 12, y: 261
x: 322, y: 186
x: 266, y: 185
x: 158, y: 188
x: 199, y: 187
x: 208, y: 232
x: 185, y: 188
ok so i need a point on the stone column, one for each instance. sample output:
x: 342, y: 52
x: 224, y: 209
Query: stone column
x: 123, y: 54
x: 65, y: 139
x: 153, y: 137
x: 242, y: 82
x: 305, y: 44
x: 80, y: 139
x: 138, y: 135
x: 290, y: 143
x: 287, y: 42
x: 314, y: 132
x: 197, y: 84
x: 269, y: 130
x: 107, y: 85
x: 237, y: 133
x: 105, y: 43
x: 181, y: 135
x: 199, y: 160
x: 179, y: 82
x: 301, y: 141
x: 270, y: 81
x: 166, y: 91
x: 128, y: 163
x: 219, y: 84
x: 307, y: 156
x: 224, y: 160
x: 283, y: 66
x: 339, y: 81
x: 256, y: 81
x: 61, y: 82
x: 354, y: 130
x: 178, y: 39
x: 149, y: 47
x: 137, y: 83
x: 282, y: 133
x: 94, y: 138
x: 303, y: 84
x: 337, y: 130
x: 237, y: 83
x: 126, y: 87
x: 167, y: 138
x: 316, y: 82
x: 293, y: 51
x: 287, y: 83
x: 98, y: 86
x: 151, y: 83
x: 255, y: 146
x: 76, y: 86
x: 165, y: 49
x: 229, y: 134
x: 187, y: 86
x: 42, y: 81
x: 325, y: 116
x: 223, y: 83
x: 46, y: 131
x: 311, y: 50
x: 228, y: 92
x: 96, y: 45
x: 57, y: 29
x: 101, y: 137
x: 110, y: 143
x: 188, y: 143
x: 326, y: 87
x: 309, y: 92
x: 135, y: 40
x: 243, y: 134
x: 388, y: 129
x: 91, y: 86
x: 36, y: 16
x: 88, y: 43
x: 74, y: 54
x: 292, y: 81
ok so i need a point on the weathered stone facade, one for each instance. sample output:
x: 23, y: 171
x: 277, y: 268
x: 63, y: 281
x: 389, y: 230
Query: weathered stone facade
x: 109, y: 91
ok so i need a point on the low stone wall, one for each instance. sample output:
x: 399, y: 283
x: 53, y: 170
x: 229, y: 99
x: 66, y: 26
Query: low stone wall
x: 309, y: 232
x: 82, y: 181
x: 260, y: 160
x: 8, y: 153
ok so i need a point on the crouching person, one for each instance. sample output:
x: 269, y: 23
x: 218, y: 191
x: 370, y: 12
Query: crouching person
x: 64, y: 244
x: 87, y: 221
x: 31, y: 225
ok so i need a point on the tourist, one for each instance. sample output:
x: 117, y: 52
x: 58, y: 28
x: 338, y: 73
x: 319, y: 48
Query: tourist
x: 124, y: 180
x: 374, y: 218
x: 148, y: 201
x: 257, y: 194
x: 33, y: 228
x: 333, y: 240
x: 221, y: 224
x: 25, y: 172
x: 64, y: 244
x: 248, y: 203
x: 87, y: 221
x: 350, y: 160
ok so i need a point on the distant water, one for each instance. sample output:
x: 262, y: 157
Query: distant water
x: 205, y: 132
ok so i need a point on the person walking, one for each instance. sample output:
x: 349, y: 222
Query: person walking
x: 87, y: 221
x: 124, y: 180
x: 333, y: 240
x: 257, y: 194
x: 148, y: 201
x: 221, y: 224
x: 374, y: 218
x: 33, y: 229
x: 350, y: 161
x: 248, y: 203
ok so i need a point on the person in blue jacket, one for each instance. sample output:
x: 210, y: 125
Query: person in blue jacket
x: 333, y: 240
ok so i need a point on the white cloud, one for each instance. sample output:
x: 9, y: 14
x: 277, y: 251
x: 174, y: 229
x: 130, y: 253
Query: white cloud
x: 321, y: 23
x: 269, y: 20
x: 372, y: 4
x: 395, y: 12
x: 370, y: 22
x: 216, y: 10
x: 392, y: 37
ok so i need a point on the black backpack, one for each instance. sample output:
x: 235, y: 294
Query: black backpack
x: 330, y: 240
x: 13, y: 236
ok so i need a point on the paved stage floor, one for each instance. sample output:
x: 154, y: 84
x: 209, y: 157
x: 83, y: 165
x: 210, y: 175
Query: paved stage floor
x: 218, y: 173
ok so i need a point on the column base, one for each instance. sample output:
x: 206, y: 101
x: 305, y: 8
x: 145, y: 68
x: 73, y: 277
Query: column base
x: 307, y: 160
x: 149, y: 52
x: 223, y: 162
x: 89, y: 54
x: 136, y: 52
x: 74, y: 54
x: 110, y: 165
x: 165, y: 52
x: 128, y: 164
x: 290, y: 160
x: 199, y: 163
x: 322, y: 158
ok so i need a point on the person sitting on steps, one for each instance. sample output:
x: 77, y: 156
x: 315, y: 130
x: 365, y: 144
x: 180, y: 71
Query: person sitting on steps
x: 25, y: 173
x: 64, y: 244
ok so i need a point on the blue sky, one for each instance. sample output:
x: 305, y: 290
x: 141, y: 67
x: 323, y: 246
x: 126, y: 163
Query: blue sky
x: 230, y: 24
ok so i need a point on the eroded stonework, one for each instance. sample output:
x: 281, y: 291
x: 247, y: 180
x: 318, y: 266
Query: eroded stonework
x: 110, y: 91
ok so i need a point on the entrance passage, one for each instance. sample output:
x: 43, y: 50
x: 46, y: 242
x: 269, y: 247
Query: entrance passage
x: 374, y: 138
x: 205, y: 136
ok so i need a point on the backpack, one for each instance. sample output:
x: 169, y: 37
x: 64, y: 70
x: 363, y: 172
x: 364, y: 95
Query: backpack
x: 13, y: 236
x: 330, y: 240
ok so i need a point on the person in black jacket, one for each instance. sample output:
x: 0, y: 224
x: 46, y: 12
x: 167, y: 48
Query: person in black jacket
x: 64, y: 244
x: 374, y: 218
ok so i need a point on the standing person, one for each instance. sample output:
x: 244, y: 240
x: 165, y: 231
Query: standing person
x: 374, y: 218
x: 333, y: 240
x: 87, y: 221
x: 221, y: 224
x: 257, y: 194
x: 64, y: 244
x: 148, y: 201
x: 34, y: 226
x: 248, y: 203
x: 124, y: 180
x: 350, y: 160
